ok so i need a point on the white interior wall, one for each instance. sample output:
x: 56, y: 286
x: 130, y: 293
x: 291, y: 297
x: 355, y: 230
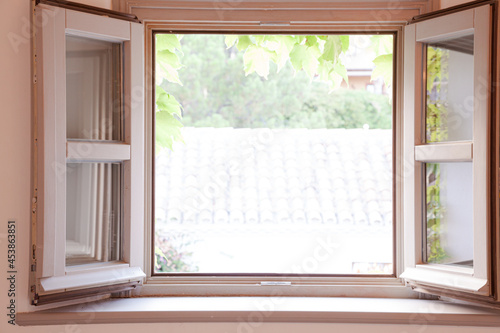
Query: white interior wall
x: 15, y: 62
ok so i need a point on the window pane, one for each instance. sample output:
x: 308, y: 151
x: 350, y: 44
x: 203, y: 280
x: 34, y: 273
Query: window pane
x: 450, y: 90
x: 93, y: 89
x: 93, y: 213
x: 276, y: 175
x: 449, y: 213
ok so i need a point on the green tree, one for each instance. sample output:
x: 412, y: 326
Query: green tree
x: 218, y: 94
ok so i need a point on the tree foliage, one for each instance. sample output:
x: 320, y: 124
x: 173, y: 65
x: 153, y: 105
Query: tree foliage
x: 168, y: 109
x: 437, y: 131
x: 170, y: 257
x: 272, y: 81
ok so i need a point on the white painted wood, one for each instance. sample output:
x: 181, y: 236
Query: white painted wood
x: 87, y: 279
x: 96, y: 27
x: 134, y: 213
x: 446, y: 279
x: 60, y: 132
x: 411, y: 246
x: 87, y: 151
x: 57, y: 151
x: 53, y: 135
x: 95, y: 267
x: 481, y: 130
x: 46, y: 205
x: 444, y: 152
x: 477, y: 21
x: 449, y: 26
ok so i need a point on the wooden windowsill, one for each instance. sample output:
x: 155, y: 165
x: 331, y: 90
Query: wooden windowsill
x: 266, y: 309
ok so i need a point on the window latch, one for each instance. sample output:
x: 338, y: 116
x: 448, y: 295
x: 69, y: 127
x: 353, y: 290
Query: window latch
x: 275, y: 24
x: 275, y: 283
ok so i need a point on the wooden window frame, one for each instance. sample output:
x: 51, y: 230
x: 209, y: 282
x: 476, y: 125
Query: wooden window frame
x: 234, y: 284
x: 227, y: 18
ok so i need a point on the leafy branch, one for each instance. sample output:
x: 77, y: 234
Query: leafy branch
x: 320, y: 57
x: 168, y: 109
x: 437, y: 131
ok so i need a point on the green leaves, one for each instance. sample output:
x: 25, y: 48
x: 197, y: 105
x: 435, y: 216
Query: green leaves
x: 168, y: 130
x: 230, y: 40
x: 435, y: 214
x: 243, y: 42
x: 167, y: 103
x: 383, y: 68
x: 381, y: 44
x: 167, y: 60
x: 436, y: 67
x: 168, y: 42
x: 256, y: 59
x: 436, y: 131
x: 302, y: 57
x: 344, y: 40
x: 333, y: 48
x: 332, y: 70
x: 285, y: 46
x: 318, y: 56
x: 341, y: 71
x: 168, y: 111
x: 167, y: 65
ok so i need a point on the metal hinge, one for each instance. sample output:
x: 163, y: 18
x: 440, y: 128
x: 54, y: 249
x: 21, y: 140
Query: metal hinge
x: 33, y: 267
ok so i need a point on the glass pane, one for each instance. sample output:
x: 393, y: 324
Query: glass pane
x: 278, y: 175
x: 449, y: 213
x: 93, y: 89
x: 450, y: 90
x: 93, y: 213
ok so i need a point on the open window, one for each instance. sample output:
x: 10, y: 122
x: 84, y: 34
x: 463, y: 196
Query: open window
x: 90, y: 121
x: 283, y: 173
x: 448, y: 181
x: 448, y: 195
x: 89, y: 207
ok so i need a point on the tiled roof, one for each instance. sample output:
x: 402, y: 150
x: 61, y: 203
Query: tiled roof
x: 261, y: 176
x: 229, y: 177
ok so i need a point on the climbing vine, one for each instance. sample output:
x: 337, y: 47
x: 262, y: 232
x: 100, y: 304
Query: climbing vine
x: 436, y: 131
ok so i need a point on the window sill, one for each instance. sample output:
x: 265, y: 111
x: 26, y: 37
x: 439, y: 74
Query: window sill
x: 266, y: 309
x: 455, y: 280
x: 94, y: 276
